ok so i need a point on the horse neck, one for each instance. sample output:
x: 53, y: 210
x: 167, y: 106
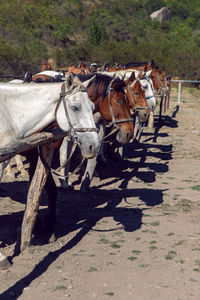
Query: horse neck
x: 95, y: 93
x: 155, y: 79
x: 32, y: 107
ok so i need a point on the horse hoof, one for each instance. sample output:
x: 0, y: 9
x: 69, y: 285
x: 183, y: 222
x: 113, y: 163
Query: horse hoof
x: 4, y: 262
x: 68, y: 188
x: 52, y: 238
x: 84, y: 189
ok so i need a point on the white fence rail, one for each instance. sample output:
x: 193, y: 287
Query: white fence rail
x: 179, y: 86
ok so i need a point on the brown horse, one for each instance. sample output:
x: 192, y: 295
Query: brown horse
x: 81, y: 69
x: 110, y: 100
x: 158, y: 77
x: 45, y: 76
x: 46, y: 66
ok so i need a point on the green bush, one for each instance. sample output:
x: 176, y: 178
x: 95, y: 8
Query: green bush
x: 102, y: 31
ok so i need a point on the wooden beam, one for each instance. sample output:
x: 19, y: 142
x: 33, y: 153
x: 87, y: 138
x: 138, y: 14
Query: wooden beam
x: 29, y: 143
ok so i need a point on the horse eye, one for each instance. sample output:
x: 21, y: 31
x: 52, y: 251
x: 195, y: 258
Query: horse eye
x: 136, y: 93
x: 119, y: 102
x: 75, y: 108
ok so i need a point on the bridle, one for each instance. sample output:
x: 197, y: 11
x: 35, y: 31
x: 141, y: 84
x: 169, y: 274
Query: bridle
x: 72, y: 131
x: 114, y: 122
x: 147, y: 79
x: 136, y: 108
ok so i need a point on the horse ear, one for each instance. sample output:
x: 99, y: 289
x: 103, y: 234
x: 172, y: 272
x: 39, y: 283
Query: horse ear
x: 148, y: 73
x: 69, y: 80
x: 140, y: 75
x: 131, y: 78
x: 146, y: 66
x: 87, y: 82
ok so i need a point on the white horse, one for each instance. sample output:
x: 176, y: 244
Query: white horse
x: 25, y: 109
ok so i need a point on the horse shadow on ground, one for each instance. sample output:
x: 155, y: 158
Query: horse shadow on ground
x: 83, y: 212
x: 134, y: 165
x: 167, y: 121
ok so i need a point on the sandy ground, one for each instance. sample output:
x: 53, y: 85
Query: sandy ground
x: 135, y: 235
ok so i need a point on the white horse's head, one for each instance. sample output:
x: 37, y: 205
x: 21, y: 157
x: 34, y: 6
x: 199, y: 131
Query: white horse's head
x: 75, y: 114
x: 147, y: 86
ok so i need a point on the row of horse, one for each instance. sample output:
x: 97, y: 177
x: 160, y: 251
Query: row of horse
x: 122, y: 99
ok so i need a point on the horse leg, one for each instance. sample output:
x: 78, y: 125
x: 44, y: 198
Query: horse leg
x: 37, y: 183
x: 3, y: 165
x: 136, y: 128
x: 91, y: 163
x: 50, y: 219
x: 9, y: 170
x: 64, y: 153
x: 4, y: 262
x: 20, y: 165
x: 101, y: 134
x: 151, y: 120
x: 87, y: 178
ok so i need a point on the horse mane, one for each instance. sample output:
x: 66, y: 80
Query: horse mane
x: 140, y: 64
x: 102, y: 80
x: 134, y: 64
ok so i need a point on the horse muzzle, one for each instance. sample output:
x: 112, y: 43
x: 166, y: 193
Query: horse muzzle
x: 89, y: 145
x: 143, y: 115
x: 124, y: 137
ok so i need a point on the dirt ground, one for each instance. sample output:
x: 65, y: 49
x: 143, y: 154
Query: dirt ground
x: 135, y: 235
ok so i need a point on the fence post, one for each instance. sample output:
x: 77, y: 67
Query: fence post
x: 179, y: 91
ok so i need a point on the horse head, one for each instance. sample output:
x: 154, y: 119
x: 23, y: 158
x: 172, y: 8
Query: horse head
x: 136, y: 97
x: 75, y: 114
x: 116, y: 110
x: 160, y: 81
x: 147, y: 86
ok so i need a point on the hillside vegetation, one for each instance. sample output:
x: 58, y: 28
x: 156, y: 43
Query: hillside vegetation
x: 69, y: 31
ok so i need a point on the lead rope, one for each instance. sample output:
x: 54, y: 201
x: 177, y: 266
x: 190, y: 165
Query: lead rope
x: 55, y: 171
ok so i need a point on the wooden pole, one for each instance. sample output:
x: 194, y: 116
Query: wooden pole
x: 22, y: 145
x: 34, y: 193
x: 160, y: 111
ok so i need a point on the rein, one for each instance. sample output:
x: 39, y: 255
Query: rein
x: 56, y: 171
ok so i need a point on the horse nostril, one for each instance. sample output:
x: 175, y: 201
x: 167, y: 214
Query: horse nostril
x: 128, y: 136
x: 91, y: 149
